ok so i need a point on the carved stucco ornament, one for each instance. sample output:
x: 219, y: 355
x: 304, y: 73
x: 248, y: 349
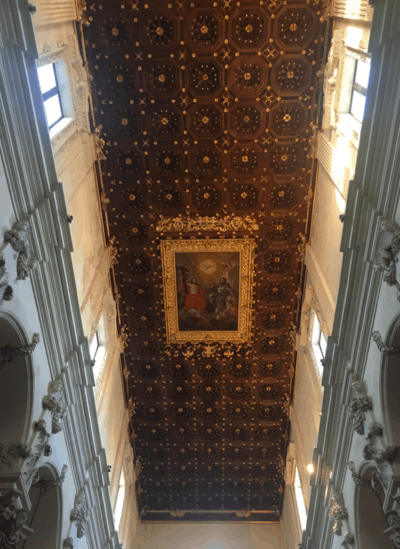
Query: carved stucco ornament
x: 338, y: 511
x: 79, y: 513
x: 68, y: 543
x: 12, y: 522
x: 53, y: 401
x: 331, y: 79
x: 384, y: 349
x: 7, y: 353
x: 18, y: 238
x: 393, y: 531
x: 6, y: 291
x: 99, y: 143
x: 383, y: 457
x: 386, y: 258
x: 40, y: 447
x: 228, y: 223
x: 359, y: 405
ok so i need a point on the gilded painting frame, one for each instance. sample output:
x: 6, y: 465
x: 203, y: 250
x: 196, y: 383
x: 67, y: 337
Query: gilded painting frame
x: 244, y: 249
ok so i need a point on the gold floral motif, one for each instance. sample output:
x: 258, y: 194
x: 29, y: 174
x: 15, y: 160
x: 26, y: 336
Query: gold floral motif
x: 229, y: 223
x: 245, y: 247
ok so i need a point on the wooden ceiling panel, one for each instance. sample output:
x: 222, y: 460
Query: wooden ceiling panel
x: 205, y: 110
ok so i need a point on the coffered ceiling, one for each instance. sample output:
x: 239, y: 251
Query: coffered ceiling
x: 205, y: 110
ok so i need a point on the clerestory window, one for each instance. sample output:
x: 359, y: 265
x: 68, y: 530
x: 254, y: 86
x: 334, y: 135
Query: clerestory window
x: 318, y: 344
x: 301, y: 505
x: 51, y: 94
x: 359, y: 89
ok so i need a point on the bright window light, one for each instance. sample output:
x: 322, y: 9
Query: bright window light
x: 359, y: 89
x: 318, y: 344
x: 99, y: 361
x: 50, y: 89
x: 119, y: 504
x: 94, y: 346
x: 301, y: 506
x: 47, y: 78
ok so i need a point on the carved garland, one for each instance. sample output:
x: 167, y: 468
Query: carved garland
x: 386, y: 258
x: 18, y: 238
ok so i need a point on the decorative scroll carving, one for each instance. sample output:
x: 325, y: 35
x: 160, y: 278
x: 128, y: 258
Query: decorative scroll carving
x: 338, y: 511
x: 356, y: 477
x: 386, y: 258
x: 53, y: 401
x: 7, y: 353
x: 81, y: 9
x: 393, y: 531
x: 330, y: 75
x: 40, y: 447
x: 18, y: 238
x: 79, y: 513
x: 228, y: 223
x: 384, y: 349
x: 359, y: 405
x: 383, y: 457
x: 6, y: 291
x: 12, y: 521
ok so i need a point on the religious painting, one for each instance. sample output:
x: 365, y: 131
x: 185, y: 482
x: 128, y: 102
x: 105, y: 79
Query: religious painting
x: 207, y: 289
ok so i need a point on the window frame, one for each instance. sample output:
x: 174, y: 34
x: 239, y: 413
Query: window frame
x: 299, y: 498
x: 120, y: 501
x: 54, y: 91
x: 314, y: 350
x: 357, y: 87
x: 74, y: 89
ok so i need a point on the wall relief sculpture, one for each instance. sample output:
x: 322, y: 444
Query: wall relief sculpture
x: 18, y: 238
x: 359, y: 405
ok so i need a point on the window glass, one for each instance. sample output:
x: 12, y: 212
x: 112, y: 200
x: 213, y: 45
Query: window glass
x: 119, y: 504
x: 99, y: 361
x: 51, y: 96
x: 362, y: 73
x: 359, y: 89
x: 93, y: 347
x: 301, y: 506
x: 47, y: 77
x: 318, y: 343
x: 358, y: 105
x: 53, y: 110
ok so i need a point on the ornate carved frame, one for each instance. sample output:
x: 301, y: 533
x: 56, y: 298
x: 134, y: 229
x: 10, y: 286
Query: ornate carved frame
x: 245, y: 247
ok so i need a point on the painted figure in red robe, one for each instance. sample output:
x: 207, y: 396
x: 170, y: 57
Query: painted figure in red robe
x: 194, y: 298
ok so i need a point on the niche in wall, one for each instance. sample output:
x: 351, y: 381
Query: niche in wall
x: 15, y: 385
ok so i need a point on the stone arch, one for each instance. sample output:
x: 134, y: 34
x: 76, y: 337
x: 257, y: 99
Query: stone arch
x: 370, y: 521
x: 16, y: 384
x: 45, y: 515
x: 390, y: 382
